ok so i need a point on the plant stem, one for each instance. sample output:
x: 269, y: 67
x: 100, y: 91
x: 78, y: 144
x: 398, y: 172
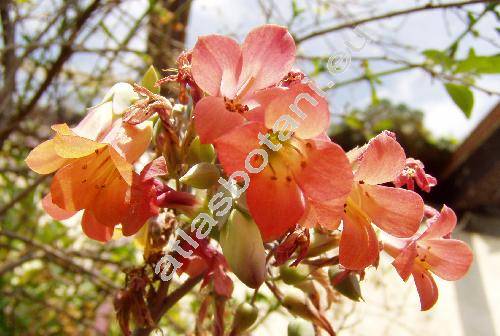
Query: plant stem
x: 168, y: 302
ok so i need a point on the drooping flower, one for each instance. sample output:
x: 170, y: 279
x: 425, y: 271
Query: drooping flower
x: 94, y: 172
x: 297, y: 163
x: 208, y: 260
x: 414, y: 172
x: 232, y: 75
x: 431, y: 251
x: 396, y: 211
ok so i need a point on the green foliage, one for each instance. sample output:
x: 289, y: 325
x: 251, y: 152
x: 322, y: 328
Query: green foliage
x: 462, y: 96
x: 296, y: 10
x: 438, y: 57
x: 358, y: 126
x: 479, y: 64
x: 45, y: 294
x: 461, y: 72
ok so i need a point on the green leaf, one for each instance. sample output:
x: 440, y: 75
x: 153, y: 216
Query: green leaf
x: 149, y: 80
x: 319, y: 66
x: 295, y: 9
x: 438, y: 57
x: 353, y: 122
x: 462, y: 96
x: 479, y: 64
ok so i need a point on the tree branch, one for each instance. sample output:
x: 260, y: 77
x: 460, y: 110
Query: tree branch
x: 22, y: 194
x: 62, y: 259
x: 64, y: 55
x: 169, y: 302
x: 355, y: 23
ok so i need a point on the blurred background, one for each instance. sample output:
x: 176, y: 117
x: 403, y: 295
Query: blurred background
x: 427, y: 70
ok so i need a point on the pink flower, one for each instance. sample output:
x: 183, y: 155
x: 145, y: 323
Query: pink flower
x: 232, y: 74
x: 303, y: 165
x: 432, y: 251
x: 414, y: 170
x: 394, y: 210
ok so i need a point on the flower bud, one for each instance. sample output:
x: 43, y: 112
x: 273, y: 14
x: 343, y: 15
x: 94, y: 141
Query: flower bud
x: 122, y: 95
x: 202, y: 175
x: 243, y: 248
x: 299, y: 327
x: 345, y: 282
x: 199, y: 152
x: 321, y: 243
x: 149, y: 80
x: 245, y: 316
x: 293, y: 275
x: 296, y: 304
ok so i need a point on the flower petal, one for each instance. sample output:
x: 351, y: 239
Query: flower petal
x: 396, y: 211
x: 442, y: 225
x: 130, y: 141
x: 109, y: 205
x: 403, y: 263
x: 140, y: 207
x: 449, y: 259
x: 382, y: 161
x: 157, y: 167
x: 54, y: 211
x: 426, y: 287
x: 324, y: 173
x: 73, y: 146
x: 234, y: 147
x: 259, y: 101
x: 309, y: 110
x: 268, y: 55
x: 95, y: 230
x: 75, y: 185
x: 212, y: 119
x: 97, y: 121
x: 359, y: 246
x: 43, y: 159
x: 216, y: 65
x: 275, y: 202
x: 326, y: 214
x: 125, y: 169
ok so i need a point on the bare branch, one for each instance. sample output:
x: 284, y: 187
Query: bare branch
x: 355, y: 23
x: 64, y: 55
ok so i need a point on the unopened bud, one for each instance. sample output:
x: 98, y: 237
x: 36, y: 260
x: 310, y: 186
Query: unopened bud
x: 345, y: 282
x: 299, y: 327
x: 243, y: 248
x: 294, y: 275
x: 244, y: 318
x: 321, y: 243
x: 199, y: 152
x: 296, y: 304
x: 122, y: 95
x: 202, y: 175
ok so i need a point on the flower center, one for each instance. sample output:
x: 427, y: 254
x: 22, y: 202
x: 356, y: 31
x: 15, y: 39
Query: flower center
x: 233, y: 105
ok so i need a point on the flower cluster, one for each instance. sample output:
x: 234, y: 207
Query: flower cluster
x: 265, y: 119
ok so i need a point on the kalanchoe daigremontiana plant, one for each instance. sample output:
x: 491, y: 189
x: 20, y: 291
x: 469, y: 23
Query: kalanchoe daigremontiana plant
x: 243, y: 178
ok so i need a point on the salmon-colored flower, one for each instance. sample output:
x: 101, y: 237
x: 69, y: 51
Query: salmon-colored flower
x: 232, y: 75
x: 303, y: 165
x: 431, y: 251
x: 394, y: 210
x: 94, y: 172
x: 414, y: 172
